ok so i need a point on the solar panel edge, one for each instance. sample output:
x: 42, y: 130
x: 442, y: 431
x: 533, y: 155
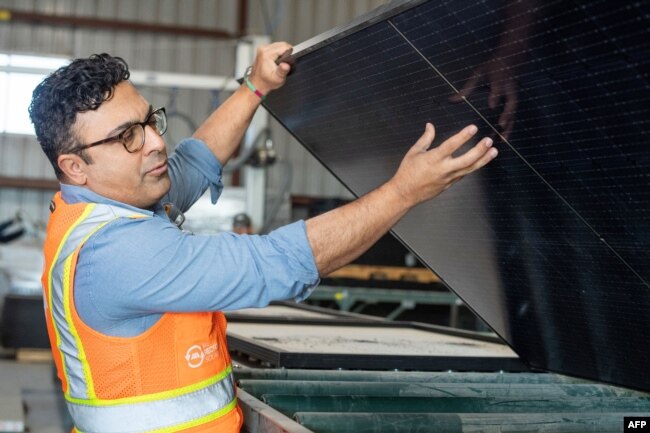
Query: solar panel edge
x: 379, y: 14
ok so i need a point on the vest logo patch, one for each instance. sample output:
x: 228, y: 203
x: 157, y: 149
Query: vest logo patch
x: 196, y: 355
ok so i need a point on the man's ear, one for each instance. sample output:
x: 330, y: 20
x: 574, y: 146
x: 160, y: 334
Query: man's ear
x: 74, y: 168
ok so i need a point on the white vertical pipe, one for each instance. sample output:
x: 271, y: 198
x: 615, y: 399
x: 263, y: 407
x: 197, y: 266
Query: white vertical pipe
x: 254, y: 178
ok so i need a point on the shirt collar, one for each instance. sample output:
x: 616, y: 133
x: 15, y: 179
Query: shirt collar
x: 77, y: 194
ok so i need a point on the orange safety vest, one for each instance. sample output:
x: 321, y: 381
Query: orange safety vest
x: 176, y: 376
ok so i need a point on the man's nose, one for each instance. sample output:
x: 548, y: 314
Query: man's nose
x: 153, y: 142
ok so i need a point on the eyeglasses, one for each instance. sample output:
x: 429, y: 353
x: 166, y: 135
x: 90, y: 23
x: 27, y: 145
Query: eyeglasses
x: 132, y: 138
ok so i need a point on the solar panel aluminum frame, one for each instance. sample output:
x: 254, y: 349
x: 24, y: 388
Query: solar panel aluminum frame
x: 379, y: 14
x: 280, y: 358
x: 356, y: 319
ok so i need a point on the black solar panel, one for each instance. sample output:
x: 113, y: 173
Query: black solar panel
x: 549, y: 244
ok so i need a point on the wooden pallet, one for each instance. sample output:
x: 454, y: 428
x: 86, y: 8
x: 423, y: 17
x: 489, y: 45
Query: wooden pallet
x: 395, y: 273
x: 33, y: 355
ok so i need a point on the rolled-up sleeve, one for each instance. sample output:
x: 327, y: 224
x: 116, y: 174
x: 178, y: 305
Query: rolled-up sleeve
x: 192, y: 169
x: 148, y: 266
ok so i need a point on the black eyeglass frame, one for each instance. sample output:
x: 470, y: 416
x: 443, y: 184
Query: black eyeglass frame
x: 120, y: 137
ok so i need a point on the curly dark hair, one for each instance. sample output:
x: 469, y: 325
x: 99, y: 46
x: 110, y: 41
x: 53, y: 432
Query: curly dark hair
x: 80, y: 86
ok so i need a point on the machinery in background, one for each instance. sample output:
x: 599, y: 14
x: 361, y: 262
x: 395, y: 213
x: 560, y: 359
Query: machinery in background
x: 22, y: 322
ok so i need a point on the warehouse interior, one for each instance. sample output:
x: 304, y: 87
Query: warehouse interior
x: 512, y: 302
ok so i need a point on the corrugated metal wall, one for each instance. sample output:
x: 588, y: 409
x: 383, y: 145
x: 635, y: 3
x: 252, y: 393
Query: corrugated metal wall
x: 290, y: 20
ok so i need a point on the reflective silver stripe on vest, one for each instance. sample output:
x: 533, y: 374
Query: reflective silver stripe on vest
x: 141, y: 417
x: 77, y: 386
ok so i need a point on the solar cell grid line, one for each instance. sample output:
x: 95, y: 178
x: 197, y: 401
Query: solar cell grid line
x: 522, y: 241
x: 587, y: 74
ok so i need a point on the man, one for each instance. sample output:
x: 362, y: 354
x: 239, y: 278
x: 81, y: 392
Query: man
x: 133, y: 304
x: 241, y: 224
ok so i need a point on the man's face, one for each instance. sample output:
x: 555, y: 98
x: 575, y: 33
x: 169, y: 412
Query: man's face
x: 139, y: 179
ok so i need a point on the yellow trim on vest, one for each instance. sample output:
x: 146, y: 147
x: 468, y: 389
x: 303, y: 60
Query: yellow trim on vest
x: 68, y: 314
x: 155, y: 396
x: 83, y: 216
x: 199, y: 421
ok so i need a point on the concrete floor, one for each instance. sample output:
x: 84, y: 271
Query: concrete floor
x: 30, y: 396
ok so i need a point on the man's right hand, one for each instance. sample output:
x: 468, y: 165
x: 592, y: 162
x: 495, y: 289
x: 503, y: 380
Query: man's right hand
x: 423, y: 173
x: 266, y: 74
x: 224, y: 129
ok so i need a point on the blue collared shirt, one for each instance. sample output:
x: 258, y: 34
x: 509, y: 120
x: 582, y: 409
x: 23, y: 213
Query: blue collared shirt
x: 134, y: 270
